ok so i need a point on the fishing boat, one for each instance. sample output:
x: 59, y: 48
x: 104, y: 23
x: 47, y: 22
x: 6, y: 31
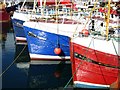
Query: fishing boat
x: 5, y: 17
x: 95, y: 53
x: 25, y: 11
x: 19, y: 17
x: 47, y: 42
x: 11, y: 6
x: 48, y: 39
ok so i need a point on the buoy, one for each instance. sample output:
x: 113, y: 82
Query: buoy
x: 57, y: 74
x: 85, y: 32
x: 57, y: 50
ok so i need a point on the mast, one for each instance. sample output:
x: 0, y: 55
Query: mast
x: 23, y: 4
x: 56, y: 10
x: 34, y: 5
x: 4, y: 2
x: 107, y: 20
x: 41, y: 7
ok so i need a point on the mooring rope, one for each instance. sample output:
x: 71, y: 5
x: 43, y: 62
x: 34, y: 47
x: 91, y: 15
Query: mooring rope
x: 78, y: 65
x: 86, y: 49
x: 12, y: 62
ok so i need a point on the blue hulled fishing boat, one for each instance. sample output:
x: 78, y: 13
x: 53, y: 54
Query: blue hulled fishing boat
x: 24, y: 13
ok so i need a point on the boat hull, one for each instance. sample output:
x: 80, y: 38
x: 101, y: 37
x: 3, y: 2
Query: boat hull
x: 92, y: 68
x: 4, y: 16
x: 41, y: 45
x: 18, y: 18
x: 19, y: 33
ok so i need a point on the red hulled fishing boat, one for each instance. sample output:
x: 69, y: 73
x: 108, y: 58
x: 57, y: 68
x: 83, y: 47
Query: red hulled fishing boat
x: 95, y: 53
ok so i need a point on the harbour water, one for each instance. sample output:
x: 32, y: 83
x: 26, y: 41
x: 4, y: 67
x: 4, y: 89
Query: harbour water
x: 17, y: 72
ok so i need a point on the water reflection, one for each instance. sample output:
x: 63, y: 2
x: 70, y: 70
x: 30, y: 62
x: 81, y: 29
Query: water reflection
x: 49, y: 76
x: 23, y: 67
x: 3, y: 32
x: 26, y: 75
x: 42, y: 76
x: 21, y: 53
x: 46, y: 76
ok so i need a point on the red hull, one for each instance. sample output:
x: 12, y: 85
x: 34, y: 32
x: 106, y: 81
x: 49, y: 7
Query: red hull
x: 4, y: 16
x: 99, y: 68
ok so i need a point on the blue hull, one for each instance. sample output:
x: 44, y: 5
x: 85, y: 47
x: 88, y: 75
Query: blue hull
x: 18, y: 30
x: 47, y: 44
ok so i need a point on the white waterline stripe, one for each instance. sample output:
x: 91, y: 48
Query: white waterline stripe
x: 21, y: 38
x: 48, y: 56
x: 47, y: 62
x: 90, y: 84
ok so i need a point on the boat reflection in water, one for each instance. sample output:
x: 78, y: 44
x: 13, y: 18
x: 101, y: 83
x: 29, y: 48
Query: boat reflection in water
x: 43, y: 76
x: 21, y: 53
x: 49, y: 76
x: 46, y: 76
x: 3, y: 32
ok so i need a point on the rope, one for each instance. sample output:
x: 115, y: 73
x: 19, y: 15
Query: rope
x: 33, y: 11
x: 88, y: 46
x: 78, y: 65
x: 93, y: 9
x: 23, y: 5
x: 12, y: 62
x: 115, y: 48
x: 118, y: 65
x: 101, y: 69
x: 116, y: 53
x: 86, y: 49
